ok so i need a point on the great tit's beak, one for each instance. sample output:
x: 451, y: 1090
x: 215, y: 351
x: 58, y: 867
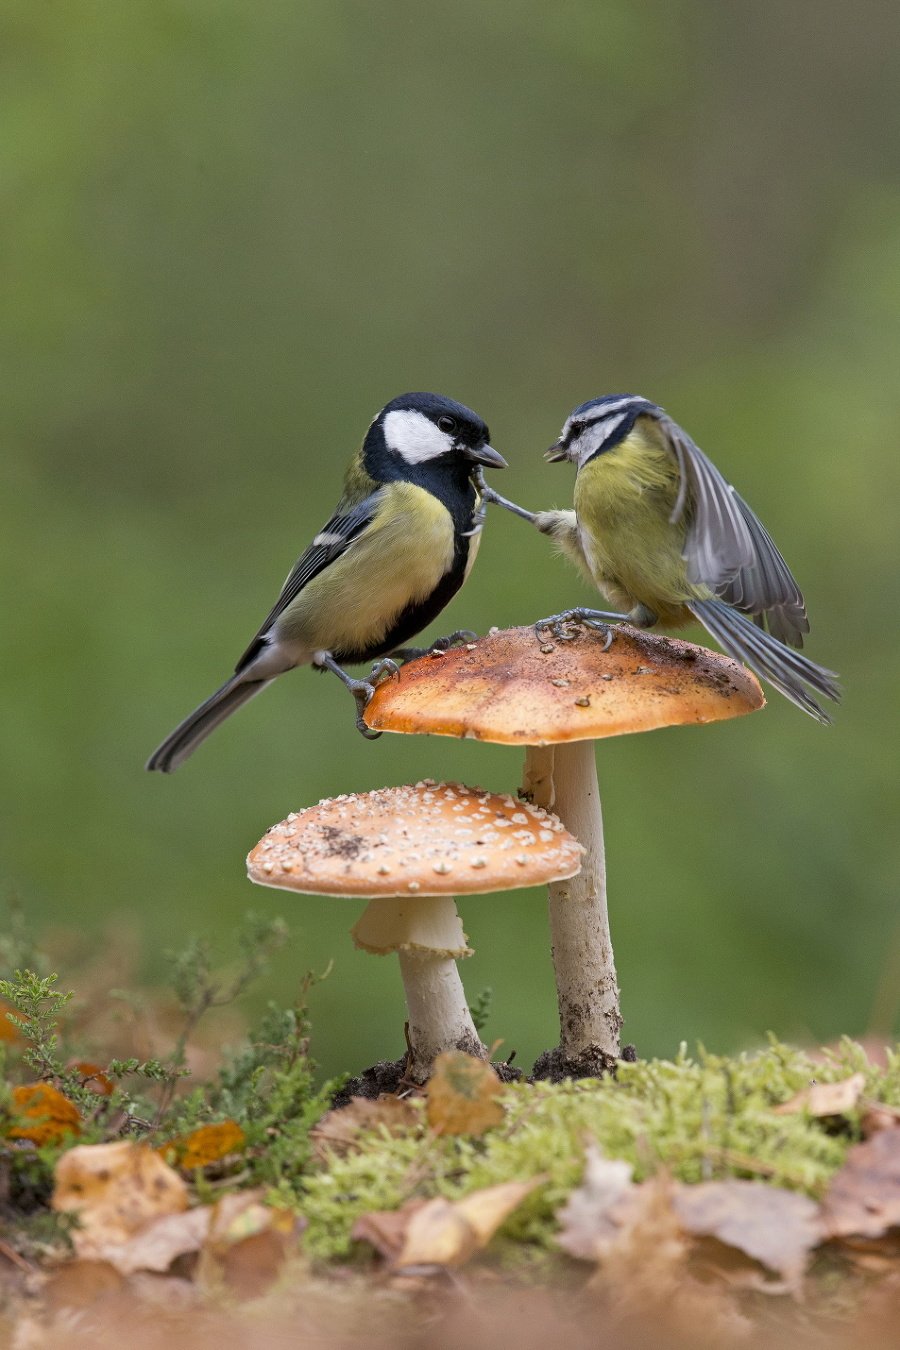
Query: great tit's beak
x: 485, y: 454
x: 556, y: 453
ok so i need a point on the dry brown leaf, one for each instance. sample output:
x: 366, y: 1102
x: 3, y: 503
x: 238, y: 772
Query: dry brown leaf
x: 9, y: 1032
x: 158, y: 1243
x: 43, y: 1114
x: 248, y: 1243
x: 95, y: 1080
x: 826, y: 1099
x: 462, y: 1095
x: 879, y: 1116
x: 385, y: 1229
x: 778, y: 1228
x: 115, y: 1189
x: 338, y: 1131
x: 442, y: 1232
x: 864, y: 1196
x: 595, y: 1212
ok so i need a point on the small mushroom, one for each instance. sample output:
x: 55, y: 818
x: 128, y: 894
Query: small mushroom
x: 409, y: 851
x: 556, y: 698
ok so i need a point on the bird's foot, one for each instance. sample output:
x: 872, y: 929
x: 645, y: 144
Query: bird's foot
x: 457, y: 639
x: 488, y: 495
x: 598, y: 619
x: 387, y: 668
x: 362, y: 691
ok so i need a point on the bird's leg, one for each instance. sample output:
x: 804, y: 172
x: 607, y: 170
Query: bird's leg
x: 600, y: 619
x: 489, y: 495
x: 362, y: 690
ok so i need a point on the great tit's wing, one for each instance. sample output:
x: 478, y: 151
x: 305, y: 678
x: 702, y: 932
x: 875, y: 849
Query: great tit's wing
x: 728, y: 548
x: 347, y: 524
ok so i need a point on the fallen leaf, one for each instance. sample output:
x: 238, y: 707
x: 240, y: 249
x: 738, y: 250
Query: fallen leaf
x: 95, y: 1080
x: 338, y: 1131
x: 385, y: 1229
x: 45, y: 1116
x: 879, y: 1116
x: 778, y: 1228
x: 158, y: 1243
x: 462, y: 1095
x: 826, y: 1099
x: 594, y: 1213
x: 442, y: 1232
x: 205, y: 1145
x: 115, y: 1189
x: 9, y: 1032
x: 864, y: 1196
x: 248, y: 1243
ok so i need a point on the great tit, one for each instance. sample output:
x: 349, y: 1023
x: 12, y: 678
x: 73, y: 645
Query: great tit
x: 400, y: 544
x: 659, y: 530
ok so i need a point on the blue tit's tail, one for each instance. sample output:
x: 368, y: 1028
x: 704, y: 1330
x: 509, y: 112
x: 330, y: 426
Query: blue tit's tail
x: 786, y: 670
x: 183, y: 741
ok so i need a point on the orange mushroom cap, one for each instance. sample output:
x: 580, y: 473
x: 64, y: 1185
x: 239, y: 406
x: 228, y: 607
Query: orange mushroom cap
x: 512, y: 689
x: 430, y: 839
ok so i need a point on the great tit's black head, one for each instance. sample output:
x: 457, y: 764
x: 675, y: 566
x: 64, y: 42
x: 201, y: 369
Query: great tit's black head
x: 598, y: 425
x: 423, y: 429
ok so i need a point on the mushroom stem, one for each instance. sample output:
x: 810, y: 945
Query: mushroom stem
x: 564, y: 778
x: 439, y: 1017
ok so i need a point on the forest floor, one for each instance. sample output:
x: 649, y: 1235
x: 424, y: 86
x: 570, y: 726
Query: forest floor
x: 710, y: 1200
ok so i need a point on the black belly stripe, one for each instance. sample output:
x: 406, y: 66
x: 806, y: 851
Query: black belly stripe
x: 415, y: 617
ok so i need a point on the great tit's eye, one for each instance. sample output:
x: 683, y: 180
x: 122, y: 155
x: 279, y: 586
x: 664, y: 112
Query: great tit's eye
x: 447, y: 424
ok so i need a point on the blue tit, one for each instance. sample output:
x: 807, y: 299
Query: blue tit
x: 400, y: 544
x: 663, y: 535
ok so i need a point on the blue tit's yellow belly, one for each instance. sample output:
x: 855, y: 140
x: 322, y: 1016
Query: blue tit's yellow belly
x: 623, y: 501
x: 397, y: 562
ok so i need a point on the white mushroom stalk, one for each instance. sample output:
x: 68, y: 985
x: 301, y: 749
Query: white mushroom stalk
x: 427, y: 935
x: 564, y: 778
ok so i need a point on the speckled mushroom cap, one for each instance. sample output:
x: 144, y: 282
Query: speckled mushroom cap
x: 430, y: 839
x: 512, y: 689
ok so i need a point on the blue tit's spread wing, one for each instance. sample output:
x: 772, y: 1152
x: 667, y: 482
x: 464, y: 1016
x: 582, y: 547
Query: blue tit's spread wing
x: 333, y: 539
x: 728, y: 548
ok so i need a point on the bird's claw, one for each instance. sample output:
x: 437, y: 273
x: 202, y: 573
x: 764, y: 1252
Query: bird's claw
x: 363, y: 692
x: 385, y: 667
x: 555, y: 624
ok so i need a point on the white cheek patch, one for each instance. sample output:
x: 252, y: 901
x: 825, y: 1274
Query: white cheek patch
x: 415, y: 437
x: 596, y: 435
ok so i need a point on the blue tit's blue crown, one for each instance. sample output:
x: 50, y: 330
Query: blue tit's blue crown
x: 606, y: 403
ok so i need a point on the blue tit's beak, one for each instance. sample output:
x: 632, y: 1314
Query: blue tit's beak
x: 487, y: 455
x: 556, y: 453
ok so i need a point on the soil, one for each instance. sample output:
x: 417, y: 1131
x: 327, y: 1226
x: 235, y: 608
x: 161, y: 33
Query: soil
x: 553, y: 1066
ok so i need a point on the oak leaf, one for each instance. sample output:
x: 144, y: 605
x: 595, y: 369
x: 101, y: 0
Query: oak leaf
x: 462, y: 1095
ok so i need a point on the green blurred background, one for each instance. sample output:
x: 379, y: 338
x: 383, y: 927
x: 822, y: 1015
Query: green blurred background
x: 229, y: 234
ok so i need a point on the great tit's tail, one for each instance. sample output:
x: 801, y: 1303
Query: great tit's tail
x: 786, y: 670
x: 183, y: 741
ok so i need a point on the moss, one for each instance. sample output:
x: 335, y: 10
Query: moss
x: 701, y: 1118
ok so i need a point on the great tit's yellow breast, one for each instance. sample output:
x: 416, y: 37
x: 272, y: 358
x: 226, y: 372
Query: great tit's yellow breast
x: 623, y: 500
x: 396, y: 561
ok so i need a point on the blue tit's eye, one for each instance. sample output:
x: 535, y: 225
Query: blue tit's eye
x: 447, y: 424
